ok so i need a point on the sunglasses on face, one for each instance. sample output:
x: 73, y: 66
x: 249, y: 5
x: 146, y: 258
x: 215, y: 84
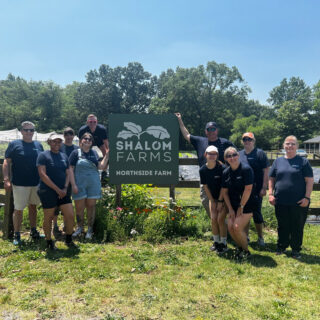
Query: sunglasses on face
x: 28, y: 130
x: 87, y: 139
x: 247, y: 139
x: 92, y: 121
x: 69, y: 133
x: 212, y: 154
x: 56, y: 141
x: 233, y: 155
x: 212, y: 129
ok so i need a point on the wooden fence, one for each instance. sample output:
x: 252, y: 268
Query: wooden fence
x: 7, y: 200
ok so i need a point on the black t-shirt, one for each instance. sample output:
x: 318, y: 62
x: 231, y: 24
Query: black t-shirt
x: 258, y: 161
x: 201, y: 144
x: 56, y: 165
x: 212, y: 178
x: 289, y: 174
x: 99, y: 134
x: 235, y: 181
x: 24, y: 156
x: 92, y: 156
x: 68, y: 149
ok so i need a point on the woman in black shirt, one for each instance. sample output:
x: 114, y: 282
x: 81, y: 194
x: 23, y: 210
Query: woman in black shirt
x: 211, y: 178
x: 237, y: 189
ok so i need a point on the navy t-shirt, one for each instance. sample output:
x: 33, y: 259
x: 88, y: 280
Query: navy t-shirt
x: 235, y: 181
x: 56, y: 165
x: 201, y: 144
x: 92, y: 156
x: 68, y: 149
x: 99, y: 134
x: 24, y: 156
x: 212, y: 178
x: 289, y: 174
x: 258, y: 161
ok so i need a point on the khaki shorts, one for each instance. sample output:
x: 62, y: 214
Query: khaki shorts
x: 23, y: 196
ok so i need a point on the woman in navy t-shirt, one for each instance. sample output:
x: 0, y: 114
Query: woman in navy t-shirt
x: 211, y: 178
x: 237, y: 188
x: 290, y: 187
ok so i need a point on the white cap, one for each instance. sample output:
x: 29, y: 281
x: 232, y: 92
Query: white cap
x: 54, y: 136
x: 212, y: 149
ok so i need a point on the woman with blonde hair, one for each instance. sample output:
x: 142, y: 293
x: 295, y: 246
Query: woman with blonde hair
x: 239, y: 196
x: 290, y: 187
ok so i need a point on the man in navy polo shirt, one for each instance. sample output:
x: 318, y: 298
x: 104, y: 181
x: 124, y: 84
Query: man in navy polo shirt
x: 200, y: 144
x: 98, y: 131
x: 22, y: 155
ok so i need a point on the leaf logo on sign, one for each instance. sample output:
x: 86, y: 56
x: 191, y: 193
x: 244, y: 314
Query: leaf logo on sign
x: 136, y: 130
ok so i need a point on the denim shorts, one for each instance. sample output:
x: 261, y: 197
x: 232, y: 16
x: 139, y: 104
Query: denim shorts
x: 89, y: 185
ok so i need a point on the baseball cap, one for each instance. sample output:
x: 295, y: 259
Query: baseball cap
x: 212, y: 149
x: 248, y: 134
x: 54, y: 136
x: 211, y: 124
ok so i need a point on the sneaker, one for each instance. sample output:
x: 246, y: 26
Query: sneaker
x: 89, y: 234
x: 51, y: 245
x: 16, y: 242
x: 296, y: 255
x: 261, y: 242
x: 215, y: 246
x: 222, y: 248
x: 35, y: 235
x: 77, y: 232
x: 57, y: 232
x: 71, y: 245
x: 243, y: 255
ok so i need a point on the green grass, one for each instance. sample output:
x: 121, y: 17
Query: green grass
x: 180, y: 280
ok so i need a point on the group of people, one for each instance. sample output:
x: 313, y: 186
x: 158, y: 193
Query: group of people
x: 233, y: 184
x: 65, y: 172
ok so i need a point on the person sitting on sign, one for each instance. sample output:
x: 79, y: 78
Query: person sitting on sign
x: 85, y: 164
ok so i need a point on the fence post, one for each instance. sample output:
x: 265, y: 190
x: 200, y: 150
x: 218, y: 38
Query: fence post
x: 118, y: 195
x: 7, y: 219
x: 172, y: 192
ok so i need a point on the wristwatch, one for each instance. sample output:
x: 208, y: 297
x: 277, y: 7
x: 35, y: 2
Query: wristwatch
x: 241, y: 206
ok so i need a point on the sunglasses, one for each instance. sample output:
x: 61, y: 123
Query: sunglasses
x: 28, y: 130
x: 56, y: 141
x: 87, y: 139
x: 92, y: 121
x: 212, y: 129
x: 229, y: 156
x: 69, y: 133
x: 212, y: 154
x: 247, y: 139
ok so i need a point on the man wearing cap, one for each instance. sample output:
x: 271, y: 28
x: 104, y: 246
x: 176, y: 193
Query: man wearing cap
x: 22, y: 155
x: 200, y: 144
x: 258, y: 161
x: 98, y: 131
x: 53, y: 168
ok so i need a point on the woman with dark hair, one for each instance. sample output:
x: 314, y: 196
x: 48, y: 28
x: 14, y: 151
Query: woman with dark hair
x: 290, y: 187
x: 54, y: 172
x: 211, y: 178
x: 85, y: 165
x: 239, y: 196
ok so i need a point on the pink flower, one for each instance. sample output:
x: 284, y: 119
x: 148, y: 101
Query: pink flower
x: 119, y: 209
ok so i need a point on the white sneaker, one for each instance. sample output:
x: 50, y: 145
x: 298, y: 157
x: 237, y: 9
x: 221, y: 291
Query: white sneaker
x: 261, y: 242
x: 89, y: 234
x: 77, y: 232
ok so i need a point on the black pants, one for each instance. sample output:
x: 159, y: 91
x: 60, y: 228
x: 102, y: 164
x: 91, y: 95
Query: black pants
x: 291, y: 220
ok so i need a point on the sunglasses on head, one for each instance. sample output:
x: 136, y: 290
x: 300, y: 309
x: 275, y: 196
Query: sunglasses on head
x: 28, y: 130
x: 212, y: 129
x: 233, y: 155
x: 247, y: 139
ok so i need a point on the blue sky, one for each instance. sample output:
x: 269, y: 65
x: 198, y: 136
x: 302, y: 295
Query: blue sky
x: 62, y: 40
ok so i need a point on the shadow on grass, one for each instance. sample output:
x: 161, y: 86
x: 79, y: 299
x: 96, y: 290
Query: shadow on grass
x: 256, y: 260
x: 28, y: 246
